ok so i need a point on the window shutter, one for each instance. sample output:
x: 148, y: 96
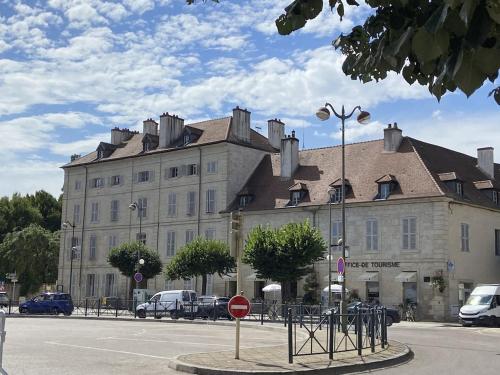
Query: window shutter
x: 136, y: 176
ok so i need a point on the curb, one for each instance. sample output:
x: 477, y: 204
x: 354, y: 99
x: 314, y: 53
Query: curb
x: 403, y: 357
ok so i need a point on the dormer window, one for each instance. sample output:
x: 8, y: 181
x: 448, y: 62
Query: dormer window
x: 296, y: 197
x: 336, y: 195
x: 335, y: 190
x: 488, y: 188
x: 187, y: 139
x: 386, y: 185
x: 100, y: 154
x: 147, y: 146
x: 297, y: 193
x: 452, y: 182
x: 245, y: 200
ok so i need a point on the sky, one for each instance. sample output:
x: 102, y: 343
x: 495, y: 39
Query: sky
x: 70, y: 70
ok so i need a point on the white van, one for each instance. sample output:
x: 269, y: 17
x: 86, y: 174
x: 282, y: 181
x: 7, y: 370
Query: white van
x: 176, y: 303
x: 483, y: 306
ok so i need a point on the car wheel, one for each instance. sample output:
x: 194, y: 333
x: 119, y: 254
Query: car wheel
x: 23, y: 310
x: 67, y: 313
x: 466, y: 324
x: 389, y: 320
x: 493, y: 321
x: 141, y: 314
x: 174, y: 315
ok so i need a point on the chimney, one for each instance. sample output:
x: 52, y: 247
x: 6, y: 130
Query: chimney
x: 275, y: 132
x: 150, y: 126
x: 117, y: 136
x: 485, y: 161
x: 75, y: 157
x: 392, y: 138
x: 289, y: 154
x: 241, y: 124
x: 171, y: 127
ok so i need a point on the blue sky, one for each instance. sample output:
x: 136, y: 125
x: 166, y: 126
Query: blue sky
x: 70, y: 70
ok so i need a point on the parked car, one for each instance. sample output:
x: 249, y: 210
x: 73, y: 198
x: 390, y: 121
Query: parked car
x: 483, y: 306
x: 48, y: 303
x: 4, y: 299
x: 176, y: 303
x: 213, y: 307
x: 392, y: 315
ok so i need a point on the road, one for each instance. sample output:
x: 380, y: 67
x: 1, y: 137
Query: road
x: 74, y: 346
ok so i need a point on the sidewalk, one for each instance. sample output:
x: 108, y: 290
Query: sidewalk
x: 274, y: 360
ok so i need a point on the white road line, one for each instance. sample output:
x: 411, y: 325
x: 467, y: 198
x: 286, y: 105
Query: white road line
x: 168, y: 341
x: 105, y: 350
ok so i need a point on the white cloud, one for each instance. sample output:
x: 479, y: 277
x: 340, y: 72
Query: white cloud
x: 83, y: 146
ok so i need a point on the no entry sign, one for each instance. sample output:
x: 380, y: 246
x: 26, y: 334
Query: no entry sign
x: 138, y: 277
x: 238, y: 307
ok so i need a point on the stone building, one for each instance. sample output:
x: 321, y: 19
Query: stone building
x: 417, y: 215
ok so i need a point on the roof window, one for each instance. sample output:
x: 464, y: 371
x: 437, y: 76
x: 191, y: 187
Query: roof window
x: 386, y: 186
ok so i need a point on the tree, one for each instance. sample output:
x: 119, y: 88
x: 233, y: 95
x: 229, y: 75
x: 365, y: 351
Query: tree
x: 311, y: 286
x: 200, y: 257
x: 284, y: 254
x: 16, y: 214
x: 49, y: 207
x: 124, y: 257
x: 33, y: 253
x: 441, y: 44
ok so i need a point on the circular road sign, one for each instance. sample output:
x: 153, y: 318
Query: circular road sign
x: 238, y: 306
x: 340, y: 266
x: 138, y: 277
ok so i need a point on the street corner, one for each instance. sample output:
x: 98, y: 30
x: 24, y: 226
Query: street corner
x: 273, y: 360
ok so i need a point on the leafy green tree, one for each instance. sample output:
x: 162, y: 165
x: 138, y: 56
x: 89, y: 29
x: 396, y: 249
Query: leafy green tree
x: 311, y: 286
x: 49, y: 207
x: 441, y: 44
x: 200, y: 257
x: 33, y: 253
x: 284, y: 254
x: 124, y: 257
x: 17, y: 213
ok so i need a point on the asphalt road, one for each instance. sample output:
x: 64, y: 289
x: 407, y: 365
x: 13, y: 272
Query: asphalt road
x: 39, y: 346
x: 73, y: 346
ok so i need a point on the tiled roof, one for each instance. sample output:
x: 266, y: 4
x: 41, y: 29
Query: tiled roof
x: 210, y: 131
x: 415, y: 166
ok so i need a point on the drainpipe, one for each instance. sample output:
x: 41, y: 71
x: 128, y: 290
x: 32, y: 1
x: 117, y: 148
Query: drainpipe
x: 83, y: 231
x: 199, y: 191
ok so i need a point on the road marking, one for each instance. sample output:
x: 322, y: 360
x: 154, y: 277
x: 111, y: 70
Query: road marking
x: 106, y: 350
x: 168, y: 341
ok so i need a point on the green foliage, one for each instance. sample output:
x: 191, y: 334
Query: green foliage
x: 283, y: 254
x: 49, y: 207
x: 200, y: 257
x: 125, y: 258
x: 33, y: 253
x: 442, y: 44
x: 311, y: 286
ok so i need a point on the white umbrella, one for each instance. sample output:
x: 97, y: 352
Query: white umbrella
x: 272, y: 288
x: 336, y: 288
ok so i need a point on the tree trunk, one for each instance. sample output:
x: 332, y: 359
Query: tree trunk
x: 204, y: 284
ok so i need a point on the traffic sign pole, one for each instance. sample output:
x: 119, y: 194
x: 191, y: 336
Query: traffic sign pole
x: 238, y: 307
x: 237, y: 349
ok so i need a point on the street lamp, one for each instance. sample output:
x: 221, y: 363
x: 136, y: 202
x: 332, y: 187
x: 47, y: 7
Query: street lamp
x: 331, y: 191
x: 65, y: 225
x: 133, y: 206
x: 323, y: 114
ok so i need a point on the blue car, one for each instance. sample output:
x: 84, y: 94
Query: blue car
x: 48, y: 303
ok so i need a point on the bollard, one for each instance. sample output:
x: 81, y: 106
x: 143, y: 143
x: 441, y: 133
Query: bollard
x: 372, y: 330
x: 290, y: 336
x: 2, y: 338
x: 384, y: 328
x: 285, y: 313
x: 262, y: 307
x: 10, y: 306
x: 215, y: 310
x: 156, y: 304
x: 359, y: 332
x: 98, y: 307
x: 330, y: 335
x: 301, y: 314
x: 116, y: 308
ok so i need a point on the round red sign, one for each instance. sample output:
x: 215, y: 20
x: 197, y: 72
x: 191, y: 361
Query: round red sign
x: 238, y: 306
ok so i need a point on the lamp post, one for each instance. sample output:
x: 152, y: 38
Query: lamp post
x: 65, y: 225
x: 331, y: 191
x: 133, y: 206
x: 324, y: 114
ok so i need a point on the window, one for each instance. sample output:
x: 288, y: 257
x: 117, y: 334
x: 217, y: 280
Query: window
x: 188, y: 285
x: 170, y: 243
x: 112, y: 241
x: 78, y: 185
x: 142, y: 207
x: 141, y: 237
x: 94, y: 212
x: 495, y: 197
x: 116, y: 180
x: 409, y: 233
x: 97, y: 182
x: 75, y: 243
x: 173, y: 172
x: 172, y: 204
x: 76, y: 214
x: 459, y: 188
x: 92, y: 247
x: 384, y: 190
x: 245, y: 200
x: 191, y: 203
x: 464, y: 236
x: 189, y: 236
x: 114, y: 210
x: 497, y: 242
x: 336, y: 234
x: 90, y: 286
x: 143, y: 176
x: 210, y: 203
x: 109, y: 284
x: 371, y: 235
x: 148, y: 146
x: 336, y: 196
x: 210, y: 284
x: 210, y: 234
x: 192, y: 169
x: 372, y: 292
x: 169, y: 285
x: 187, y: 139
x: 212, y: 167
x: 296, y: 196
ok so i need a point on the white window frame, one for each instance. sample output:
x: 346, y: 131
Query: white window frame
x: 94, y: 212
x: 337, y: 195
x: 192, y: 170
x: 212, y: 167
x: 210, y: 204
x: 142, y: 207
x: 114, y: 210
x: 143, y: 176
x: 92, y: 247
x: 78, y: 185
x: 189, y: 235
x: 116, y: 180
x: 407, y: 234
x: 385, y: 190
x: 191, y: 203
x: 459, y: 188
x: 109, y: 284
x: 170, y: 243
x: 336, y: 234
x: 97, y: 182
x: 372, y: 240
x: 112, y: 241
x: 465, y: 237
x: 296, y: 197
x: 173, y: 172
x: 210, y: 233
x: 172, y: 204
x: 76, y: 214
x: 90, y: 285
